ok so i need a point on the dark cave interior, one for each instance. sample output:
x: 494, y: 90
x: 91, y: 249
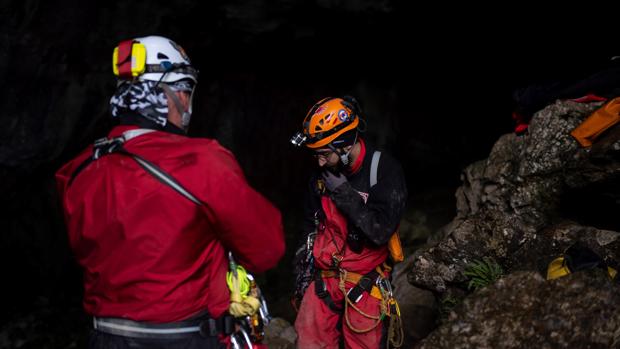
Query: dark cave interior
x: 435, y: 86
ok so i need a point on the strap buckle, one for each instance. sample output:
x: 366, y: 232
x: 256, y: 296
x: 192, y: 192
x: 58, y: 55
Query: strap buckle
x: 104, y: 146
x: 208, y: 328
x: 320, y: 287
x: 213, y: 327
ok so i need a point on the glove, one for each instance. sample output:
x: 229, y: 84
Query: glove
x: 333, y: 181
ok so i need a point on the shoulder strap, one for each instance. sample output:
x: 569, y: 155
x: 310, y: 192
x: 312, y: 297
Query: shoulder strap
x: 127, y: 135
x: 373, y: 167
x: 162, y: 176
x: 108, y: 146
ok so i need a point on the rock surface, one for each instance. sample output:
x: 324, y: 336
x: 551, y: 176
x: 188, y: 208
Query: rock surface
x: 280, y: 334
x: 522, y: 310
x: 533, y: 197
x: 514, y: 202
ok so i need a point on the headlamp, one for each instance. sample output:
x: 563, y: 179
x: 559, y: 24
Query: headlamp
x: 299, y: 139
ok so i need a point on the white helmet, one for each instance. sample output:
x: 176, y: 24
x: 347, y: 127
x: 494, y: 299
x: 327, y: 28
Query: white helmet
x: 152, y: 58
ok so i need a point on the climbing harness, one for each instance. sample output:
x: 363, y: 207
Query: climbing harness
x: 203, y: 324
x: 375, y: 284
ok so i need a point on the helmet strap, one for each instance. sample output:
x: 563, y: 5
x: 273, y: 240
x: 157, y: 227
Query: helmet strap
x: 185, y: 115
x: 344, y: 156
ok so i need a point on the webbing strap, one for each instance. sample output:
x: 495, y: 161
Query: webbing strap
x: 175, y: 99
x: 374, y: 165
x: 110, y: 146
x: 129, y: 134
x: 162, y: 176
x: 320, y: 288
x: 205, y: 325
x: 353, y: 278
x: 365, y: 284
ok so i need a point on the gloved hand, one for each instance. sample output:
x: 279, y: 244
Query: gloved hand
x: 333, y: 181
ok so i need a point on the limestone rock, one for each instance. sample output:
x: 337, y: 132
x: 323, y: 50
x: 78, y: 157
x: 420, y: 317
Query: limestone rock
x: 522, y: 310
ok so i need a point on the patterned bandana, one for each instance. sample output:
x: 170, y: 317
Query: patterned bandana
x: 145, y: 98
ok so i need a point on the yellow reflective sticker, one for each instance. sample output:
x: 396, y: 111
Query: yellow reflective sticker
x: 138, y: 59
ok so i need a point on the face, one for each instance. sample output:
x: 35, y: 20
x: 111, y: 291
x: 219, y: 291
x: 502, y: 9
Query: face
x: 174, y: 116
x: 326, y: 157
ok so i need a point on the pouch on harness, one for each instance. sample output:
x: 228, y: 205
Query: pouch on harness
x: 250, y: 323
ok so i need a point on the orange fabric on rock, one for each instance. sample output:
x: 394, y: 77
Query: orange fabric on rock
x: 597, y: 123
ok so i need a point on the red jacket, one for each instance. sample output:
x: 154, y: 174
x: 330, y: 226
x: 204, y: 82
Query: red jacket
x: 149, y: 253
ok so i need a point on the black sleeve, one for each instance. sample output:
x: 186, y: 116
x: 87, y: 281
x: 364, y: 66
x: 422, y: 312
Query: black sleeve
x: 380, y: 216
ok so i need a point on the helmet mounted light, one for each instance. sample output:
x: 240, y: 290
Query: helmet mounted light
x: 299, y: 139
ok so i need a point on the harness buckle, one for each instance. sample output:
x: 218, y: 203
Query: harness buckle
x: 336, y: 259
x: 356, y: 297
x: 208, y: 328
x: 321, y: 288
x: 104, y: 146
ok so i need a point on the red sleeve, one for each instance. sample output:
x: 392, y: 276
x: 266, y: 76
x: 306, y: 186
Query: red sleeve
x: 248, y: 224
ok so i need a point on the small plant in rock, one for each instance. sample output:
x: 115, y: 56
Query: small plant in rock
x: 482, y: 273
x: 446, y: 305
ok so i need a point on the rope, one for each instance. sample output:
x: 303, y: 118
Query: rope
x: 347, y: 303
x: 395, y: 335
x: 242, y: 303
x: 241, y: 279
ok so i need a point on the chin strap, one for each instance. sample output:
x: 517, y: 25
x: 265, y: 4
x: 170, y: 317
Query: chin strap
x: 185, y: 115
x: 344, y: 157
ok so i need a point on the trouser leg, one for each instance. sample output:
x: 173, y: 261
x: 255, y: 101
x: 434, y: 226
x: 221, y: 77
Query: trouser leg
x: 317, y: 325
x: 369, y: 338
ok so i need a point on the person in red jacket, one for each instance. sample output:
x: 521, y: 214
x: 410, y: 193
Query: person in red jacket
x: 352, y: 210
x: 152, y: 214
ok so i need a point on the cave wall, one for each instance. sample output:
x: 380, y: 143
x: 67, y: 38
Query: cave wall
x: 432, y: 98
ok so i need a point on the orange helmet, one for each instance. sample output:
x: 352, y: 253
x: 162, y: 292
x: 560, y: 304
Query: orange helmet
x: 327, y: 120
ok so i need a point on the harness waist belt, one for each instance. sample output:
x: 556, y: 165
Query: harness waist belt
x: 353, y: 278
x: 205, y: 326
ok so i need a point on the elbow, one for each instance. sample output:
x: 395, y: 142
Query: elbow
x: 269, y: 254
x: 269, y: 258
x: 275, y: 253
